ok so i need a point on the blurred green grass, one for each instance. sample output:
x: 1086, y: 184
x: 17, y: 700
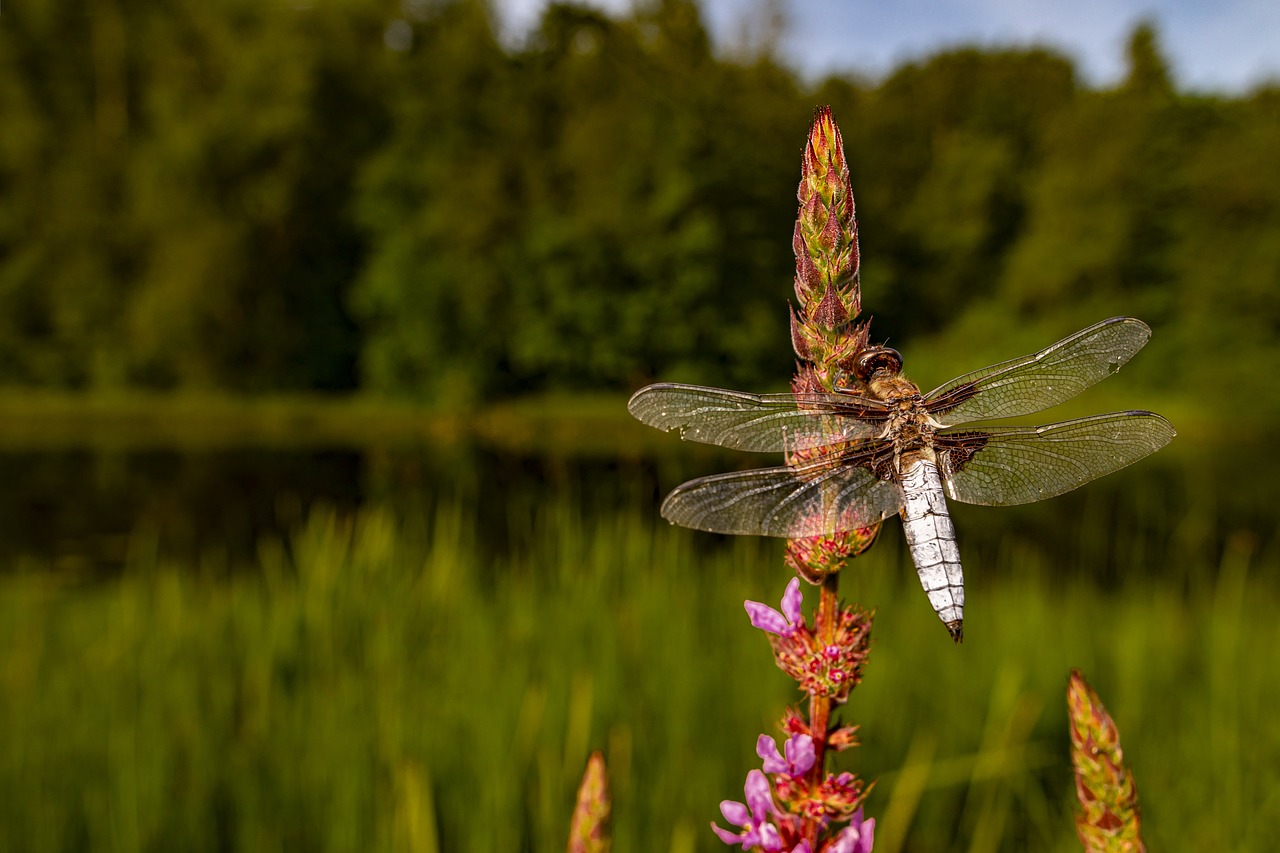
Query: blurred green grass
x: 377, y: 685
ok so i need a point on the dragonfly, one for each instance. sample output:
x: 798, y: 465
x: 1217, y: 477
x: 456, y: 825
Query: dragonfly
x: 883, y: 448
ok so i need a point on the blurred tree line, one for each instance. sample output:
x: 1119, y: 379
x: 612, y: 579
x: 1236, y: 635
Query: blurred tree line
x: 265, y: 195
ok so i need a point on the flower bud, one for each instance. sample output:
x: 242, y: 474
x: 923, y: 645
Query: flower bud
x: 1109, y: 819
x: 589, y: 831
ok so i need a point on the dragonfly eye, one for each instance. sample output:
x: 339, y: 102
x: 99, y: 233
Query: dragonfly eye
x: 879, y: 359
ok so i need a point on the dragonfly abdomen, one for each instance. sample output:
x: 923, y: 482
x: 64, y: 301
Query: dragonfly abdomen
x: 932, y: 540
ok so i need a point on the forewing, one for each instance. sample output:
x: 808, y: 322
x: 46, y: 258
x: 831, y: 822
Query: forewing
x: 835, y: 493
x: 1046, y: 378
x: 758, y: 422
x: 1015, y: 465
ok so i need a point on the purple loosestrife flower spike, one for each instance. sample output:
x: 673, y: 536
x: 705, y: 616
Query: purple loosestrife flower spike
x: 824, y: 332
x: 800, y: 755
x: 783, y: 624
x: 798, y: 807
x: 752, y: 818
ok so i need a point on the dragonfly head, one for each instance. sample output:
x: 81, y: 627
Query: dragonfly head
x: 878, y: 360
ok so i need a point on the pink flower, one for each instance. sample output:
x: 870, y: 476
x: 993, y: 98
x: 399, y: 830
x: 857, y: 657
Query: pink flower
x: 751, y: 818
x: 799, y: 755
x: 856, y: 837
x: 785, y: 623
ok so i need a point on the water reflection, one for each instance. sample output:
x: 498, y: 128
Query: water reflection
x: 82, y: 510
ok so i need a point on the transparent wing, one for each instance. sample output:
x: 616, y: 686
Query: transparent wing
x: 1046, y: 378
x: 759, y: 422
x: 823, y: 497
x: 1006, y: 466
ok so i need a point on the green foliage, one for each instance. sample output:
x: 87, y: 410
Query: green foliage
x: 176, y: 189
x: 437, y: 196
x: 950, y: 146
x: 603, y: 226
x: 255, y: 196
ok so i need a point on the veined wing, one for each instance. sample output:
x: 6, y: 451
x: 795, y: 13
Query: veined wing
x: 1016, y: 465
x: 759, y: 422
x: 834, y: 493
x: 1046, y: 378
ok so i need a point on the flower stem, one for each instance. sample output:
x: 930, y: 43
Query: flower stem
x: 820, y: 705
x: 827, y: 608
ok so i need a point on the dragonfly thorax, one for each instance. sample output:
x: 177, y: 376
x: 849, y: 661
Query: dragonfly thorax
x: 911, y: 430
x: 894, y: 388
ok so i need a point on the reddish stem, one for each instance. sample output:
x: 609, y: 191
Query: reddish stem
x: 820, y: 706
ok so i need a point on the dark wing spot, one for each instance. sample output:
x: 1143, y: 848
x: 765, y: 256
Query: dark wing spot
x: 948, y: 401
x: 960, y: 447
x: 874, y: 455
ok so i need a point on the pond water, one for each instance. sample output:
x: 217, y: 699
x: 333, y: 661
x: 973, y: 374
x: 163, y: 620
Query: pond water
x: 82, y: 510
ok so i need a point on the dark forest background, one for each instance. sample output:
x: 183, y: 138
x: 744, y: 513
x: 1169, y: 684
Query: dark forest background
x: 259, y: 196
